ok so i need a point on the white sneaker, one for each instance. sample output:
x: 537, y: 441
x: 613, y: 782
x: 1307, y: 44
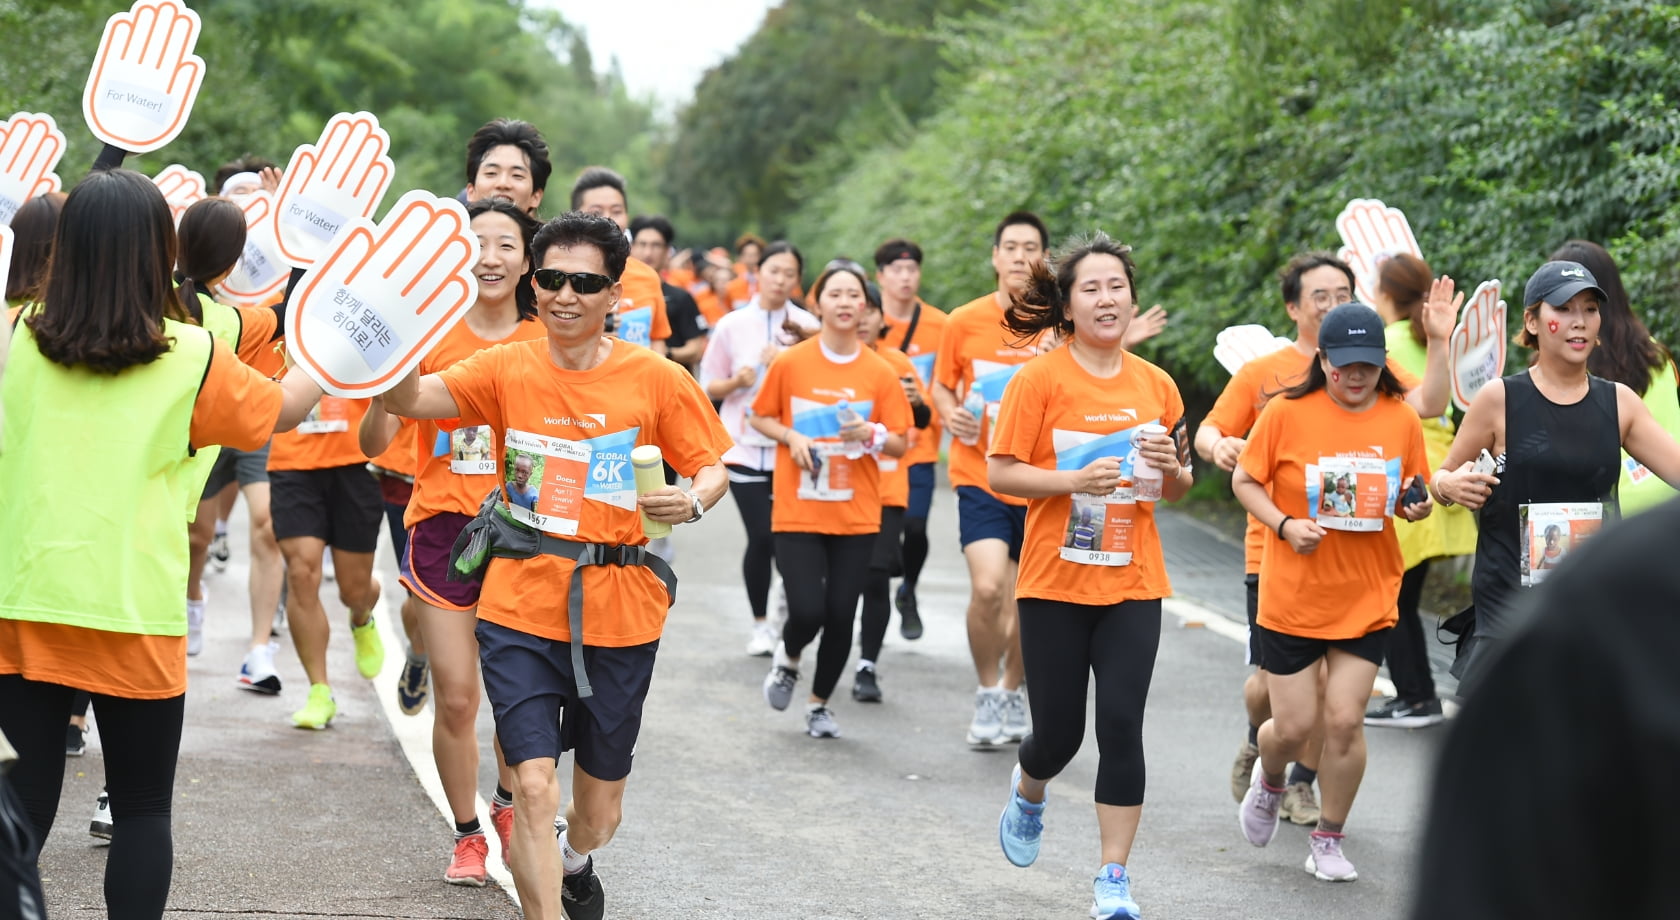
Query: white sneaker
x: 987, y: 727
x: 1015, y: 725
x: 257, y: 673
x: 763, y: 641
x: 101, y: 826
x: 195, y: 623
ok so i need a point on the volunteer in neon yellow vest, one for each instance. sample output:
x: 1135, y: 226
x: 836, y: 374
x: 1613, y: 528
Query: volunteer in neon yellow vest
x: 96, y: 561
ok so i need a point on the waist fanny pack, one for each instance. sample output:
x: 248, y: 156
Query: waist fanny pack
x: 493, y: 532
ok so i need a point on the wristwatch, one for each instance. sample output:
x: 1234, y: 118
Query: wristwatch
x: 699, y: 507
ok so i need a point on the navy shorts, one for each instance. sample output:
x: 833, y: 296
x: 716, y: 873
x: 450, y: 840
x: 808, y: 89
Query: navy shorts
x: 981, y: 516
x: 921, y: 491
x: 532, y: 694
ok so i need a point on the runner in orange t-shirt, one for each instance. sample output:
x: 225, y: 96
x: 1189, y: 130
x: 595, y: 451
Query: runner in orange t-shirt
x: 641, y: 318
x: 1329, y: 579
x: 977, y: 357
x: 916, y: 329
x: 455, y: 468
x: 833, y: 408
x: 1081, y: 429
x: 566, y: 412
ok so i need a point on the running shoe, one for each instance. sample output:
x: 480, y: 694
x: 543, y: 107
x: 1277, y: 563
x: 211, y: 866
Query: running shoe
x: 1021, y: 826
x: 75, y: 741
x: 501, y: 818
x: 318, y: 712
x: 1299, y: 805
x: 910, y: 622
x: 1243, y: 770
x: 466, y: 866
x: 819, y: 723
x: 328, y: 573
x: 195, y: 622
x: 256, y: 672
x: 763, y: 641
x: 370, y: 652
x: 1397, y: 713
x: 1325, y: 860
x: 413, y: 686
x: 1111, y: 895
x: 581, y: 896
x: 778, y: 686
x: 865, y: 688
x: 1015, y: 725
x: 219, y: 554
x: 987, y: 728
x: 102, y: 824
x: 1258, y: 813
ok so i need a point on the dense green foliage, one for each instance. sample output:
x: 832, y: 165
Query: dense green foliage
x: 432, y: 70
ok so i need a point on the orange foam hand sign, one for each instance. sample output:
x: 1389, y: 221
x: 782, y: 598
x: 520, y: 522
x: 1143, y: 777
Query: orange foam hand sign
x: 145, y: 76
x: 1371, y: 232
x: 1476, y: 351
x: 383, y: 295
x: 331, y: 182
x: 260, y: 275
x: 30, y: 146
x: 181, y: 187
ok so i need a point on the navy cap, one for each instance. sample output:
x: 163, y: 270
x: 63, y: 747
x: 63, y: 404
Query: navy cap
x: 1556, y: 282
x: 1352, y: 333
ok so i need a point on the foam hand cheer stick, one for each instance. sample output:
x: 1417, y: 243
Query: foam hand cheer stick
x: 1371, y: 232
x: 30, y: 146
x: 338, y: 178
x: 1476, y: 352
x: 145, y: 77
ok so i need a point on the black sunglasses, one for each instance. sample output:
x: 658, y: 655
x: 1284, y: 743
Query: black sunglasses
x: 553, y: 279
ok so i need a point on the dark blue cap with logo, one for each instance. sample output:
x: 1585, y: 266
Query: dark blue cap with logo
x: 1556, y: 282
x: 1352, y: 333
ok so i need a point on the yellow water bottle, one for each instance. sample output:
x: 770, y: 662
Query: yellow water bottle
x: 649, y: 465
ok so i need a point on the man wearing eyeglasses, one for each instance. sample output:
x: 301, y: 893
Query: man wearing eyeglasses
x: 1312, y: 283
x: 573, y: 605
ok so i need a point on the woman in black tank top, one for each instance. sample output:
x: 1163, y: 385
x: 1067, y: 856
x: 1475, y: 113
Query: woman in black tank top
x: 1555, y: 434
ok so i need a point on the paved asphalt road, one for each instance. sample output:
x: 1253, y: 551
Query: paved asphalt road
x: 732, y: 812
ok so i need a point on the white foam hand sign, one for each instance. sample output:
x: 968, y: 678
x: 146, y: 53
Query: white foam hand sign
x: 1238, y: 345
x: 1476, y: 353
x: 259, y: 274
x: 145, y: 76
x: 383, y: 295
x: 30, y: 146
x: 1372, y: 231
x: 339, y: 177
x: 181, y: 187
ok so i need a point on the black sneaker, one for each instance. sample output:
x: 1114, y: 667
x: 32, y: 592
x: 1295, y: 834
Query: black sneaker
x: 75, y: 741
x: 580, y: 894
x: 1398, y: 713
x: 865, y: 689
x: 910, y: 626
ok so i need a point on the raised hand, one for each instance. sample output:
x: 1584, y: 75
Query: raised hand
x: 383, y: 295
x: 30, y: 146
x: 259, y: 274
x: 1145, y: 325
x: 181, y: 187
x: 1238, y: 345
x: 338, y: 178
x: 1440, y: 310
x: 1476, y: 351
x: 145, y: 76
x: 1372, y: 231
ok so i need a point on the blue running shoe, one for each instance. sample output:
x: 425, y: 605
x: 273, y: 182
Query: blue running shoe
x: 1021, y: 824
x: 1111, y: 895
x: 414, y: 685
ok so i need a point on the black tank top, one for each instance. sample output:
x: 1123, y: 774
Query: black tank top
x: 1553, y: 453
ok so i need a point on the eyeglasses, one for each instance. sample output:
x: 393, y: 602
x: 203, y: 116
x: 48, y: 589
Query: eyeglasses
x: 553, y: 279
x: 1330, y: 298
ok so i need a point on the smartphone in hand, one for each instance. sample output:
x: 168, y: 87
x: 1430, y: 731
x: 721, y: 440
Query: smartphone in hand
x: 1415, y: 493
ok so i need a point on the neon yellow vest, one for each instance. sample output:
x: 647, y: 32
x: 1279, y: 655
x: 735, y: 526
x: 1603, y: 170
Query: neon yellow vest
x: 1640, y: 488
x: 1451, y: 530
x: 221, y: 321
x: 92, y: 484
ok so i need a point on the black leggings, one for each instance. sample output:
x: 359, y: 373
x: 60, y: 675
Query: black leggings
x: 141, y: 740
x: 1062, y: 644
x: 877, y: 588
x: 752, y: 499
x: 1408, y: 650
x: 915, y: 551
x: 824, y: 575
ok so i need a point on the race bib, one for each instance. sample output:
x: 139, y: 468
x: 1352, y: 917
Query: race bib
x: 471, y: 450
x: 636, y: 326
x: 330, y: 415
x: 1549, y: 531
x: 831, y: 481
x: 1100, y: 528
x: 1353, y: 494
x: 545, y: 479
x: 887, y: 464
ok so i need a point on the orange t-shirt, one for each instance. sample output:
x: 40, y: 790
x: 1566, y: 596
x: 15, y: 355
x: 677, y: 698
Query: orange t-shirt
x: 327, y: 438
x: 257, y: 342
x: 923, y: 351
x: 802, y: 389
x: 1057, y: 416
x: 236, y: 407
x: 566, y: 438
x: 641, y: 310
x: 1239, y: 405
x: 976, y: 347
x: 457, y: 465
x: 895, y: 471
x: 713, y: 305
x: 680, y: 277
x: 1348, y: 587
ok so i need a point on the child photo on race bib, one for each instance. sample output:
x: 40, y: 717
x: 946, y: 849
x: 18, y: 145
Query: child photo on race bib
x: 545, y: 479
x: 524, y: 473
x: 1353, y: 494
x: 1551, y: 531
x: 471, y: 450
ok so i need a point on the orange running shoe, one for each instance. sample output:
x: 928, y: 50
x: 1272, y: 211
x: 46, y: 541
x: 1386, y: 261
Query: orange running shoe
x: 467, y: 866
x: 502, y: 817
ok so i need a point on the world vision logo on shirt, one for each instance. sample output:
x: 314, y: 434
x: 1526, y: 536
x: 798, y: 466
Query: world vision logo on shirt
x: 587, y: 423
x: 1118, y: 415
x: 846, y: 393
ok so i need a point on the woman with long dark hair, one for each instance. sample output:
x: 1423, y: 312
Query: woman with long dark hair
x: 108, y: 358
x: 33, y: 228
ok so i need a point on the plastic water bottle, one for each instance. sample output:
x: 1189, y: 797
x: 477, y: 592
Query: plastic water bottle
x: 976, y: 406
x: 1146, y: 479
x: 846, y: 414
